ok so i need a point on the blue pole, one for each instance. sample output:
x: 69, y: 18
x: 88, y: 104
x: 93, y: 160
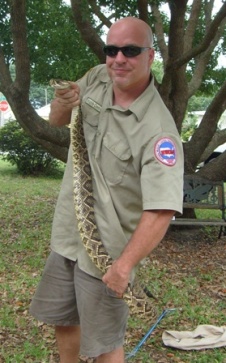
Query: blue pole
x: 135, y: 350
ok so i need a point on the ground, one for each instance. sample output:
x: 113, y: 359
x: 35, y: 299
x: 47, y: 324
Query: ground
x: 188, y: 272
x: 182, y: 254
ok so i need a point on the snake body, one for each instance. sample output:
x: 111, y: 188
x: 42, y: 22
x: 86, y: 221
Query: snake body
x: 134, y: 296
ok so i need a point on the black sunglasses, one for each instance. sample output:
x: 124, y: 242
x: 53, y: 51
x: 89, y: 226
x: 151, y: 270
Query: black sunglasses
x: 128, y: 51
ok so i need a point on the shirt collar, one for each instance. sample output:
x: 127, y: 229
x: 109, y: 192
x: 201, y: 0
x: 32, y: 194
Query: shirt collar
x: 140, y: 105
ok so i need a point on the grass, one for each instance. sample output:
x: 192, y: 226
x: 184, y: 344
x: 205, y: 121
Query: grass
x: 27, y: 206
x: 182, y: 275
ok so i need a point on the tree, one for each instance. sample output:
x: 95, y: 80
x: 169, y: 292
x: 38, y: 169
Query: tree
x: 189, y: 44
x: 40, y: 39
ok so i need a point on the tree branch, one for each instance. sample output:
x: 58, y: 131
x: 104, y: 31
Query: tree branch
x: 201, y: 138
x: 97, y: 11
x: 203, y: 46
x: 202, y: 61
x: 177, y: 26
x: 214, y: 170
x: 21, y: 52
x: 218, y: 139
x: 174, y: 84
x: 5, y: 78
x: 81, y: 13
x: 192, y: 24
x: 142, y: 7
x: 208, y: 9
x: 159, y: 33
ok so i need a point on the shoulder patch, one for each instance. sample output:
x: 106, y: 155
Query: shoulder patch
x: 165, y: 151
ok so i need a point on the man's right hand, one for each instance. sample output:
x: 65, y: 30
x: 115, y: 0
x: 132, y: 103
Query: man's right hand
x: 65, y: 100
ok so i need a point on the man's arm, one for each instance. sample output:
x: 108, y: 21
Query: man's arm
x: 149, y: 232
x: 62, y: 105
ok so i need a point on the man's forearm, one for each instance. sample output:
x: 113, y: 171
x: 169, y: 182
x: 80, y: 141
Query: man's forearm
x: 149, y: 232
x: 59, y: 115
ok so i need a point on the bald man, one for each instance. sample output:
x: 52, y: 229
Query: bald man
x: 136, y: 160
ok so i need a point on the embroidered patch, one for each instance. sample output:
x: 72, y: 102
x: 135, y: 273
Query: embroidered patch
x: 165, y: 151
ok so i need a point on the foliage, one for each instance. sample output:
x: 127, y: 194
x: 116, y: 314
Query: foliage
x: 189, y: 126
x: 213, y: 75
x: 56, y: 49
x: 198, y: 103
x: 40, y: 95
x: 20, y: 150
x: 157, y: 70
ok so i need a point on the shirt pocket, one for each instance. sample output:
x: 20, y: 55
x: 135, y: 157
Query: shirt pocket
x: 90, y: 119
x: 115, y: 158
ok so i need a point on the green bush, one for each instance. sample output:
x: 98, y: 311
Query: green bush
x: 19, y: 149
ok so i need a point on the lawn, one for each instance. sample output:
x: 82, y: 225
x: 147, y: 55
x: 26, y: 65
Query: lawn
x: 187, y: 272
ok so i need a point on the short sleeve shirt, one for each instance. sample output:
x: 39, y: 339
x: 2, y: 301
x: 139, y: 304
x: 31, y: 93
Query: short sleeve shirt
x: 136, y: 160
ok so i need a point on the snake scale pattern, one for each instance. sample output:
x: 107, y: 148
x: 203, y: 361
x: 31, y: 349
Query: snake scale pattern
x: 134, y: 296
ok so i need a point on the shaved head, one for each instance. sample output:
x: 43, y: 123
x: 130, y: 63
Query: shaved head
x: 130, y: 24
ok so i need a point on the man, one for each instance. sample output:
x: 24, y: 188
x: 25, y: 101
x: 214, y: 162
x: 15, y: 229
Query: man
x: 137, y: 173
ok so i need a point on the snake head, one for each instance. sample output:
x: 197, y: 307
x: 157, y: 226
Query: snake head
x: 59, y: 83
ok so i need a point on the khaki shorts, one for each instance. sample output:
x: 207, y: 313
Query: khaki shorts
x: 67, y: 296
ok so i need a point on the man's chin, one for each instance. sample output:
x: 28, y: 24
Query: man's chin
x: 120, y: 81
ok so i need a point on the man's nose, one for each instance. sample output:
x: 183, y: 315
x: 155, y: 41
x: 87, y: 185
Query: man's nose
x: 120, y: 57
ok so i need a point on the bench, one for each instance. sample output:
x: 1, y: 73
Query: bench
x: 200, y: 193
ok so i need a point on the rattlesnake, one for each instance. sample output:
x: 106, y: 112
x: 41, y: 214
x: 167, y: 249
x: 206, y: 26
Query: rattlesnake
x: 134, y: 296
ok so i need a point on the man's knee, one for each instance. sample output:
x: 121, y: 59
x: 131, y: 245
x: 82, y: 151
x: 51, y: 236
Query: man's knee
x: 114, y: 356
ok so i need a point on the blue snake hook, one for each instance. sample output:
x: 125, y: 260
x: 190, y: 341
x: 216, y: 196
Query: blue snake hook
x: 135, y: 350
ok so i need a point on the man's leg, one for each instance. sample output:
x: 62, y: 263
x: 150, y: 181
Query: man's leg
x: 68, y: 342
x: 55, y: 303
x: 103, y: 319
x: 116, y: 356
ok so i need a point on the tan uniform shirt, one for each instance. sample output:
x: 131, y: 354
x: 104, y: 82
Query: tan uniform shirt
x: 137, y: 164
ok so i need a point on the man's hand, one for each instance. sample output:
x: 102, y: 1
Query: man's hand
x: 117, y: 278
x: 149, y: 232
x: 65, y: 100
x: 68, y: 97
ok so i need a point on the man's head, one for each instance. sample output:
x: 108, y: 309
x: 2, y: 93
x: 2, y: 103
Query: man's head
x: 130, y: 65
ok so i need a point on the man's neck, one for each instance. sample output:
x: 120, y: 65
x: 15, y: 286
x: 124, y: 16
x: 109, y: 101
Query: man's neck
x: 125, y: 97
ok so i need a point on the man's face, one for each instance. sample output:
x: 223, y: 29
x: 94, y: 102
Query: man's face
x: 127, y: 72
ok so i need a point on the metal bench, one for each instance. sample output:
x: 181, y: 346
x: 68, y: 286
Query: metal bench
x: 200, y: 193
